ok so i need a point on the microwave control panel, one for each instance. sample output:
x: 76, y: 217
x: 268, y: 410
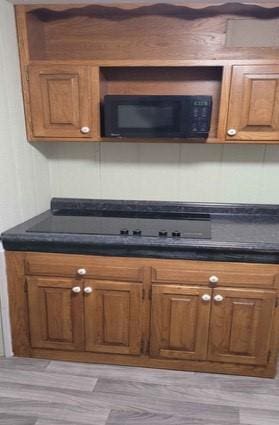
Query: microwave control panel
x: 200, y: 116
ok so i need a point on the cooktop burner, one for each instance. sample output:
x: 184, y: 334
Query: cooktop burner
x: 193, y: 228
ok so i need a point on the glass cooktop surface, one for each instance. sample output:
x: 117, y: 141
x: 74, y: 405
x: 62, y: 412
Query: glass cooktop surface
x: 193, y: 228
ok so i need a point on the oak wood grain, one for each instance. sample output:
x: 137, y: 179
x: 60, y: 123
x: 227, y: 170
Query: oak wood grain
x: 241, y: 325
x: 82, y: 31
x: 60, y: 100
x: 117, y: 312
x: 135, y: 35
x: 18, y: 303
x: 55, y: 314
x: 254, y: 103
x: 179, y: 322
x: 113, y: 317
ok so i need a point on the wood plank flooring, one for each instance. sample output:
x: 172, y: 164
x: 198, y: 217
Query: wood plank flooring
x: 42, y: 392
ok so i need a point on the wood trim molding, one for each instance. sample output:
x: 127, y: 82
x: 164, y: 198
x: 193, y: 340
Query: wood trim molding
x: 5, y: 314
x: 24, y: 61
x: 188, y: 11
x: 224, y: 100
x: 18, y: 303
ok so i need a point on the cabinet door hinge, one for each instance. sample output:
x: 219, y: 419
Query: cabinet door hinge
x: 27, y: 74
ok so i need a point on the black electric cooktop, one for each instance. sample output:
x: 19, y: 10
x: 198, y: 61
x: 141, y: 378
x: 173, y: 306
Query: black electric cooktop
x: 190, y: 227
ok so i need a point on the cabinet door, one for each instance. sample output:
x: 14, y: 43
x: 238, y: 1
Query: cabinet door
x: 113, y: 317
x: 240, y: 326
x: 55, y: 313
x: 254, y: 103
x: 60, y: 101
x: 180, y: 321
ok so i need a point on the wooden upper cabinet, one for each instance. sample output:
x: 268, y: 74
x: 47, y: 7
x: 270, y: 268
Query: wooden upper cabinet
x: 241, y: 324
x: 60, y: 101
x: 113, y: 317
x: 254, y: 103
x: 55, y: 313
x: 180, y: 321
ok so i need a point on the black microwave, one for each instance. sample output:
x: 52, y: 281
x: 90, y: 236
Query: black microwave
x: 157, y: 116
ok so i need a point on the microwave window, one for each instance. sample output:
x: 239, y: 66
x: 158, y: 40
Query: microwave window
x: 145, y: 116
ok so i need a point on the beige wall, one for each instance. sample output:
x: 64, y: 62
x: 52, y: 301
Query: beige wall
x: 166, y: 172
x: 24, y: 173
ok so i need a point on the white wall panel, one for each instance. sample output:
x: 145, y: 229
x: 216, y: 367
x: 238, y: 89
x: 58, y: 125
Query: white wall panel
x: 158, y: 171
x: 24, y: 188
x: 186, y: 172
x: 119, y: 170
x: 75, y: 169
x: 24, y: 171
x: 199, y: 173
x: 269, y: 182
x: 241, y: 174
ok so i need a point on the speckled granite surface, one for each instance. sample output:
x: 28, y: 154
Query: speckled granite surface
x: 246, y: 233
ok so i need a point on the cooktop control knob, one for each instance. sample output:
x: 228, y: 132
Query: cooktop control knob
x: 176, y: 234
x: 163, y: 233
x: 124, y: 232
x: 137, y: 232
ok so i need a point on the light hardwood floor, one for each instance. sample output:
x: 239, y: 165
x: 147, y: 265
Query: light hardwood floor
x: 39, y: 392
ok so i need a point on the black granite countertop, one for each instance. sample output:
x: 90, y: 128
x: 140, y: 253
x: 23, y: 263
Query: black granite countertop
x: 239, y: 232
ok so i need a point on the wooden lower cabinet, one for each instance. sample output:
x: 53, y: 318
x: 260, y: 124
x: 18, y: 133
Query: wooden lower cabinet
x: 179, y: 322
x: 174, y: 314
x: 225, y: 325
x: 104, y: 317
x: 55, y: 314
x: 113, y: 317
x: 240, y: 325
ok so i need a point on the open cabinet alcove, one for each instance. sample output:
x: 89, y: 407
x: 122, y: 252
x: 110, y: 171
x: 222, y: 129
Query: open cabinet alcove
x: 165, y: 81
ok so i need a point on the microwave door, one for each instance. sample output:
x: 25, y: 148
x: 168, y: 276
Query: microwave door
x: 143, y: 116
x: 148, y: 118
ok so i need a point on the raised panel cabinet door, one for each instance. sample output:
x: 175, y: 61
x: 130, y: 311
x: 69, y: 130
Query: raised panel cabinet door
x: 60, y: 101
x: 180, y: 322
x: 254, y: 103
x: 55, y: 313
x: 113, y: 317
x: 240, y: 326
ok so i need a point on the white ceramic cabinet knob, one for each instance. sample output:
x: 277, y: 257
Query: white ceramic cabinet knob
x: 81, y: 272
x: 218, y: 298
x: 76, y: 289
x: 232, y: 132
x: 88, y: 290
x: 206, y: 297
x: 214, y: 279
x: 85, y: 130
